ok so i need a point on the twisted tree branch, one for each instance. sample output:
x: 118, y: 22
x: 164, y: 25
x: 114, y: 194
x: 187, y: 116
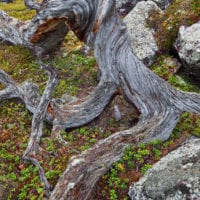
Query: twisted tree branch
x: 97, y: 23
x: 37, y: 124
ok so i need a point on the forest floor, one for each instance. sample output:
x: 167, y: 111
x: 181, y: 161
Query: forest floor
x: 77, y: 74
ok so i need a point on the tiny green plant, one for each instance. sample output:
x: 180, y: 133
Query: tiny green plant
x: 113, y: 195
x: 145, y: 168
x: 157, y: 153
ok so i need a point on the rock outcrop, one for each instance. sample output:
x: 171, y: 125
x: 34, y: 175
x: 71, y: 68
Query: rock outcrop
x: 188, y: 47
x: 142, y: 37
x: 175, y: 177
x: 125, y: 6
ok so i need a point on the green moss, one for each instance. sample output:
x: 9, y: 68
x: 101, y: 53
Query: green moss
x: 19, y: 63
x: 168, y: 72
x: 164, y: 66
x: 117, y: 179
x: 196, y: 129
x: 76, y: 72
x: 18, y: 10
x: 183, y: 83
x: 145, y: 168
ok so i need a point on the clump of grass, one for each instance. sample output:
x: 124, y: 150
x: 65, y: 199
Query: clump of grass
x: 163, y: 67
x: 166, y: 25
x: 196, y: 129
x: 18, y: 10
x: 19, y: 63
x: 76, y: 72
x: 169, y: 73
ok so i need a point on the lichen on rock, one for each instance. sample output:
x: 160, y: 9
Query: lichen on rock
x: 142, y: 37
x: 175, y: 177
x: 188, y: 48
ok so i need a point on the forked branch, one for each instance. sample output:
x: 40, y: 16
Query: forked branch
x: 37, y: 125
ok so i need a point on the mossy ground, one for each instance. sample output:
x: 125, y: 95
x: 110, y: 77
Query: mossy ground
x: 77, y: 77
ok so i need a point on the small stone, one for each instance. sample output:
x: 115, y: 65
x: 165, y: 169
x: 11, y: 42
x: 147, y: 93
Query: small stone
x: 66, y: 98
x: 117, y: 113
x: 173, y: 63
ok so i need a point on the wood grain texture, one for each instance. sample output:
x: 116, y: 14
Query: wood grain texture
x: 97, y: 23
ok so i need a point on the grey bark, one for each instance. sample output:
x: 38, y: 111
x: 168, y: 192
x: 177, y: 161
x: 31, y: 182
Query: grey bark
x: 97, y: 23
x: 37, y: 125
x: 41, y: 37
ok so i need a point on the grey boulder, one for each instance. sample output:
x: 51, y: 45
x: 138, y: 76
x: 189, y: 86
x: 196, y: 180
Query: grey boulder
x: 188, y: 48
x: 175, y: 177
x: 142, y: 37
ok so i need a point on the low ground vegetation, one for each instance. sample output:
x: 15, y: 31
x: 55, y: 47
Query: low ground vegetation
x: 77, y: 77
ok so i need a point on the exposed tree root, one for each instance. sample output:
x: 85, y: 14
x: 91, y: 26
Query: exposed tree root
x: 37, y: 124
x: 97, y: 23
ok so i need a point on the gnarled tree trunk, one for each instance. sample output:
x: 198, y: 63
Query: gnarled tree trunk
x: 97, y: 23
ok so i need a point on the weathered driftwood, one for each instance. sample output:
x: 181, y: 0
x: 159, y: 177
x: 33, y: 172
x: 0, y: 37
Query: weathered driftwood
x: 48, y: 36
x: 97, y: 23
x: 37, y: 125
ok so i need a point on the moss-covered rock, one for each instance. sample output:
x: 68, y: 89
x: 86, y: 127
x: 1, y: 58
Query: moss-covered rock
x: 166, y: 25
x: 175, y: 176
